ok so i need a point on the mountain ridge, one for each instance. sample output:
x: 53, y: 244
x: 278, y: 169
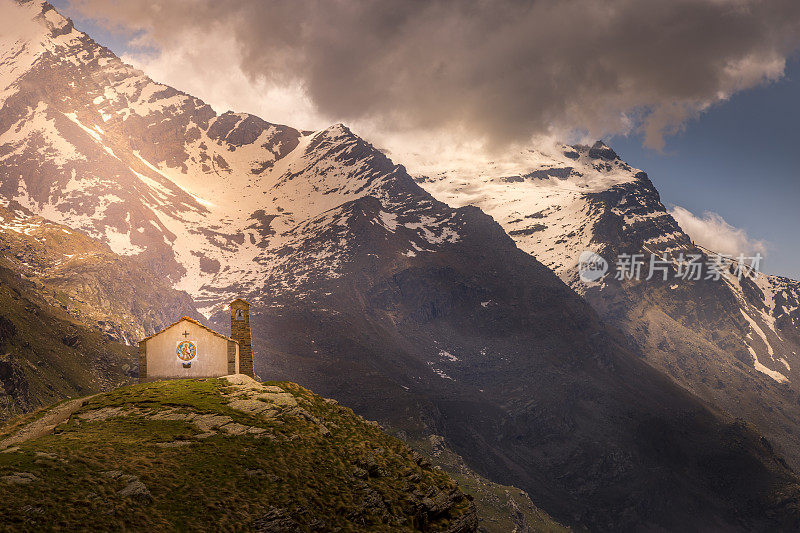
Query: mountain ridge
x: 48, y: 355
x: 732, y: 342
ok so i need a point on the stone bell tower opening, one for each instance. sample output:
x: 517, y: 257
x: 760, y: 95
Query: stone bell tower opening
x: 240, y: 332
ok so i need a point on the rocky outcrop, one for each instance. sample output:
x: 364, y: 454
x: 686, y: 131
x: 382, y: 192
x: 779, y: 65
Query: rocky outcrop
x: 500, y: 508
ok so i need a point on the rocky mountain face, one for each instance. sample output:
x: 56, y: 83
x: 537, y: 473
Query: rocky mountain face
x: 483, y: 345
x: 47, y: 355
x: 369, y: 290
x: 733, y: 341
x: 71, y: 271
x: 500, y: 508
x: 251, y: 456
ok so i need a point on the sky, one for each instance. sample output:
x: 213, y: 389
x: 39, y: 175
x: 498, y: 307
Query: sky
x: 701, y: 96
x: 740, y: 160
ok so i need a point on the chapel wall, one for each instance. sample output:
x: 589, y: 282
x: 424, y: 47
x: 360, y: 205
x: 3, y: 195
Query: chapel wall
x: 211, y: 360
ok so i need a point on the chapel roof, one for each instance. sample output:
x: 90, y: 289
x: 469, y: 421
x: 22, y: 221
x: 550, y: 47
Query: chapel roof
x: 193, y: 321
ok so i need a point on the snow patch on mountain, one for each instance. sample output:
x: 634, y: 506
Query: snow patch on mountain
x: 777, y: 376
x: 38, y: 129
x: 538, y: 196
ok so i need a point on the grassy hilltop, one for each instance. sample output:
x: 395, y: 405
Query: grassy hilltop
x: 229, y: 454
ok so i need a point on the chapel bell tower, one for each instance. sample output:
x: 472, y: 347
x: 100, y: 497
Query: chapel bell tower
x: 240, y: 332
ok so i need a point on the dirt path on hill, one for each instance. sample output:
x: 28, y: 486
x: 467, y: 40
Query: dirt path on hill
x: 45, y: 424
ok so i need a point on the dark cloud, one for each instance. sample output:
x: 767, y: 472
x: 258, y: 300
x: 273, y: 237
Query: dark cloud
x: 502, y: 69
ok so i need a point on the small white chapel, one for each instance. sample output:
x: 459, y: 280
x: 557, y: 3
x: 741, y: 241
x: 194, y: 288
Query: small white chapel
x: 188, y: 349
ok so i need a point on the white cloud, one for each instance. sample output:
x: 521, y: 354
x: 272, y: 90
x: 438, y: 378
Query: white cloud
x: 713, y: 232
x: 204, y: 66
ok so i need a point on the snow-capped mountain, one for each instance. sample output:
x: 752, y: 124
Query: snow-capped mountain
x: 213, y: 202
x: 733, y: 341
x: 556, y: 202
x: 369, y: 290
